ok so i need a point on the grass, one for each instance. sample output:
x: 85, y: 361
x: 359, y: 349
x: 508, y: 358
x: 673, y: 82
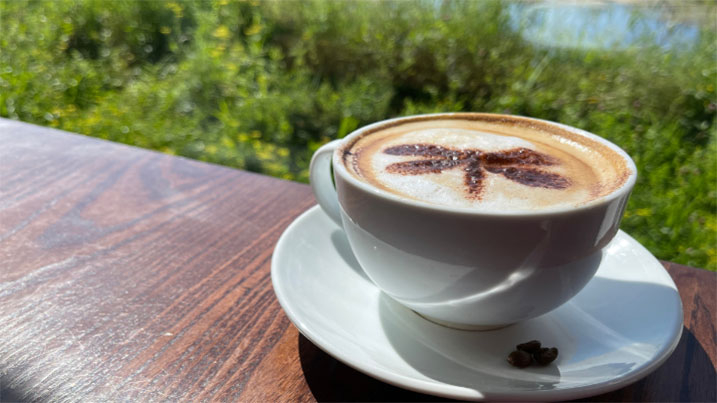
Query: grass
x: 260, y: 86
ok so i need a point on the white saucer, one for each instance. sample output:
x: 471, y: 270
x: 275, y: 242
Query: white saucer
x: 622, y: 326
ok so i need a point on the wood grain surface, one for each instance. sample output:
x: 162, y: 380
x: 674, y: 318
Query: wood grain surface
x: 128, y: 275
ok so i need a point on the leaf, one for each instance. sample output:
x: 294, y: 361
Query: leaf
x: 348, y: 124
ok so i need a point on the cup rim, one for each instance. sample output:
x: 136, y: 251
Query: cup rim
x: 340, y: 169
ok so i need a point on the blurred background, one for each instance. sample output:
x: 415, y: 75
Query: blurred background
x: 261, y: 85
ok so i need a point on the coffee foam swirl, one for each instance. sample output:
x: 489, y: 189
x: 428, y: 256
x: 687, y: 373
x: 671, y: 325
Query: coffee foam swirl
x: 486, y: 165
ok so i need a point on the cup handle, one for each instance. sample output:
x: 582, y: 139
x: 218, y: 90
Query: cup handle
x: 321, y: 183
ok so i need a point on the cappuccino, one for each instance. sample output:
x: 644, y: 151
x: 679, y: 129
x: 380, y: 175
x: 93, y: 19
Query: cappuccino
x: 487, y: 162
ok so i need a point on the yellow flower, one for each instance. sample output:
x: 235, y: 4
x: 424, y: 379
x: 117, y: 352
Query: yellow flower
x: 222, y: 32
x: 643, y: 212
x: 218, y: 51
x: 176, y: 8
x: 253, y: 29
x: 227, y: 142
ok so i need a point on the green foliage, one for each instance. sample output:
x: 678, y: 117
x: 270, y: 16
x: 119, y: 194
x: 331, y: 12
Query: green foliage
x: 260, y: 86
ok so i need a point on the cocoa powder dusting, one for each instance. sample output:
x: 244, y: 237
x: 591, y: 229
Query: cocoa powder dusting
x: 425, y: 150
x: 517, y: 165
x: 518, y: 156
x: 474, y: 177
x: 532, y: 177
x: 419, y: 167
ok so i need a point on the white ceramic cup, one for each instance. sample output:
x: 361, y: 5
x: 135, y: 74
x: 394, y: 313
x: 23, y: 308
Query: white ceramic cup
x: 466, y: 268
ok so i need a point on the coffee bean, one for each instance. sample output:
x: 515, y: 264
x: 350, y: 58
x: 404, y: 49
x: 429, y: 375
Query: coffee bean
x: 529, y: 347
x: 545, y: 356
x: 520, y: 359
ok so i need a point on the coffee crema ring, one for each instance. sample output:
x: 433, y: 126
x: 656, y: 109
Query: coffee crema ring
x: 485, y: 162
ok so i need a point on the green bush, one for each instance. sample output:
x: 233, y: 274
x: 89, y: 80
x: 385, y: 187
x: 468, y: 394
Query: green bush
x: 260, y: 86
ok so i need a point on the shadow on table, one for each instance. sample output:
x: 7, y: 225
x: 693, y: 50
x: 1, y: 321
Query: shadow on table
x: 9, y: 395
x: 687, y: 376
x: 330, y: 380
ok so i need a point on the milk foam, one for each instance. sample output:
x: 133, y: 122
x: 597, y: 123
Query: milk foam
x: 589, y: 167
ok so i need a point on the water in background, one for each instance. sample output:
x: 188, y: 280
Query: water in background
x: 607, y: 25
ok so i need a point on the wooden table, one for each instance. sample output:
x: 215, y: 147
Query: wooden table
x: 131, y: 275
